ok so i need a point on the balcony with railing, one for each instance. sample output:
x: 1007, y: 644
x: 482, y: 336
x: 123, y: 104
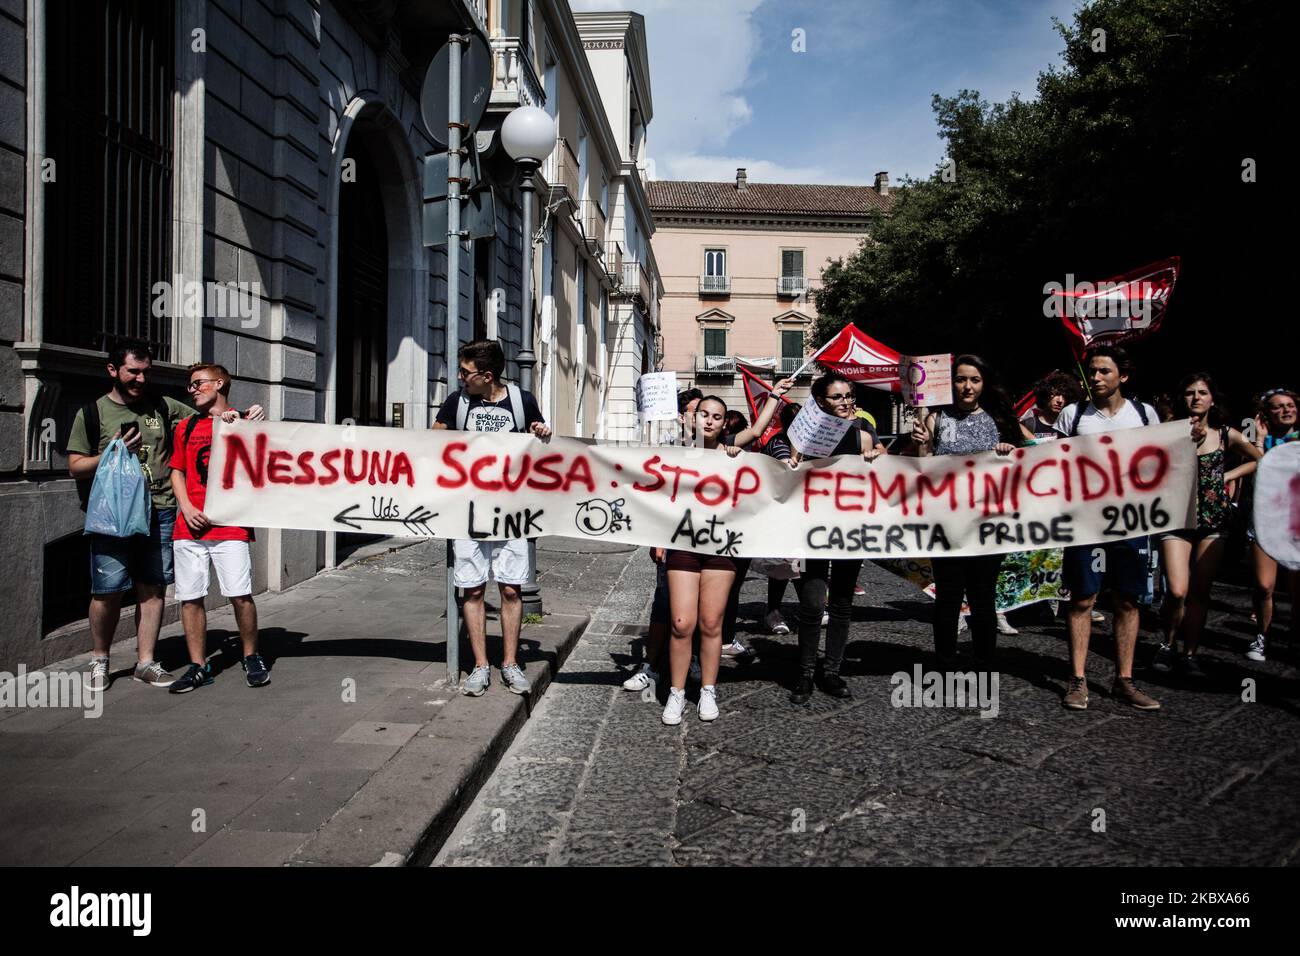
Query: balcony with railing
x: 791, y: 285
x: 792, y: 363
x: 614, y: 262
x: 706, y: 365
x: 561, y: 173
x: 635, y: 281
x: 514, y: 81
x: 593, y: 224
x: 715, y: 285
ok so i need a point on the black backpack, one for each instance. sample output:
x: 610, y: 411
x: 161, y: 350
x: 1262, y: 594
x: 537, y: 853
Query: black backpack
x: 1079, y: 409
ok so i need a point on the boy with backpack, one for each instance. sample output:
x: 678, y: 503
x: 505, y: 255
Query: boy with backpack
x: 485, y: 403
x: 198, y: 543
x: 1121, y: 566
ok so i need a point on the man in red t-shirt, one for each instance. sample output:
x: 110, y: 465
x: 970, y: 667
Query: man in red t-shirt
x: 197, y: 542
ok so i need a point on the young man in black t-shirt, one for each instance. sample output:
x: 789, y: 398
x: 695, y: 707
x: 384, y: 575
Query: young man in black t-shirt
x: 487, y: 404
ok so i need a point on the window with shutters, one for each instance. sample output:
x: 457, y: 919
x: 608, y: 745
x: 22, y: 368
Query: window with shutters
x: 792, y: 263
x: 792, y: 345
x: 791, y: 282
x: 110, y: 80
x: 715, y: 342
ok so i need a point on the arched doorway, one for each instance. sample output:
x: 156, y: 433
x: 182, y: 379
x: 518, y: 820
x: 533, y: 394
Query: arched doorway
x: 377, y: 318
x: 362, y: 337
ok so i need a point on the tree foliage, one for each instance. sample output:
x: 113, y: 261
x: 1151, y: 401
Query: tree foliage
x: 1126, y: 155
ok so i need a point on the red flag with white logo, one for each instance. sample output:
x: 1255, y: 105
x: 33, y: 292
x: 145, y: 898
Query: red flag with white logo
x: 1110, y: 311
x: 860, y: 358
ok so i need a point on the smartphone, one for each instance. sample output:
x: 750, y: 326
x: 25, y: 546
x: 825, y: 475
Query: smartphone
x: 130, y: 430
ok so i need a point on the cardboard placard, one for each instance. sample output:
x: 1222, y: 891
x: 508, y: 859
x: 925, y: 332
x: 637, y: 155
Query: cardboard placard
x: 815, y: 434
x: 926, y: 379
x: 656, y: 396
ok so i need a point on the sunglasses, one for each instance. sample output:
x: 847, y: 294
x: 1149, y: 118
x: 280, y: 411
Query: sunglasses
x: 1264, y: 396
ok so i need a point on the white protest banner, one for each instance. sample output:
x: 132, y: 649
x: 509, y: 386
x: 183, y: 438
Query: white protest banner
x: 926, y: 379
x: 1277, y: 505
x: 656, y: 396
x: 814, y: 434
x: 451, y: 484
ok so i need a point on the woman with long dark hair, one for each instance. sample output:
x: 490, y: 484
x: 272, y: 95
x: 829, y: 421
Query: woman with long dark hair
x: 822, y: 577
x: 1190, y: 557
x: 980, y: 418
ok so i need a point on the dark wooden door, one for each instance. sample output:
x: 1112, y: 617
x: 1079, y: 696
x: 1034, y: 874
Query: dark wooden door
x: 362, y: 297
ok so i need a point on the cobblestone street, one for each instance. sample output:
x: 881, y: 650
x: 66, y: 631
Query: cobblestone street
x: 595, y: 778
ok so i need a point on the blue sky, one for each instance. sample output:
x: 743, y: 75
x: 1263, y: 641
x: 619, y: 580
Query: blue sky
x: 729, y: 90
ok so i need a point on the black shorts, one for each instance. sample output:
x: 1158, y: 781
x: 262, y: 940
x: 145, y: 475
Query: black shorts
x: 695, y: 562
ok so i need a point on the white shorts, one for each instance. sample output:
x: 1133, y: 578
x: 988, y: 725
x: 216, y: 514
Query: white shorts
x: 507, y: 559
x: 233, y: 561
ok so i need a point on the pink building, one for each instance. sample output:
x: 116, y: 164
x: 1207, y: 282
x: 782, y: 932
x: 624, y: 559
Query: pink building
x: 739, y: 262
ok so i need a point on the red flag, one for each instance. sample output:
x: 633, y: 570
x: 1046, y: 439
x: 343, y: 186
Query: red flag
x: 756, y: 392
x: 1026, y: 404
x: 860, y: 358
x: 1113, y: 310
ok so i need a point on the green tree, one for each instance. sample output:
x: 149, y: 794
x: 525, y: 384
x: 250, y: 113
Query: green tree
x: 1127, y: 154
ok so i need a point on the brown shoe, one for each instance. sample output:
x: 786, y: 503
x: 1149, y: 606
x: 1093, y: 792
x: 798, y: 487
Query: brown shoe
x: 1125, y: 691
x: 1076, y: 694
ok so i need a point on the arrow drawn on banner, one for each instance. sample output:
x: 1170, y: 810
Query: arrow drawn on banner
x: 417, y: 521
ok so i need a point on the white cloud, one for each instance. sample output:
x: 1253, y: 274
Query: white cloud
x: 713, y: 168
x: 701, y: 56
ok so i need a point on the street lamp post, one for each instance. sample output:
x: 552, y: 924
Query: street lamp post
x: 528, y: 135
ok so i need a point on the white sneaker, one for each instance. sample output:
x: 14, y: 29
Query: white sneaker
x: 776, y: 623
x: 97, y: 679
x: 1004, y: 627
x: 708, y: 703
x: 642, y: 679
x: 734, y: 649
x: 695, y: 673
x: 1098, y: 617
x: 1256, y: 652
x: 676, y: 704
x: 826, y: 618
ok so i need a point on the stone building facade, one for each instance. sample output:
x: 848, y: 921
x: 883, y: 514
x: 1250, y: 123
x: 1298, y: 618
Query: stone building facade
x: 262, y: 160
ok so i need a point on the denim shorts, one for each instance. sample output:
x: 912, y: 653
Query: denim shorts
x: 118, y: 564
x: 1120, y: 566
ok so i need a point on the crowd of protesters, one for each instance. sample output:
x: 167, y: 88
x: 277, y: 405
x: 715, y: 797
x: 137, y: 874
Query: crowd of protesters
x: 697, y: 596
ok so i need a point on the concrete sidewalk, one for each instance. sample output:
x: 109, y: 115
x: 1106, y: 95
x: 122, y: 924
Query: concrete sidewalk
x: 357, y: 753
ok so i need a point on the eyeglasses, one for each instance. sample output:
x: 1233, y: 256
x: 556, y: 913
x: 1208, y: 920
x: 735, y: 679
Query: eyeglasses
x: 840, y: 398
x: 1264, y: 396
x: 198, y: 383
x: 468, y: 373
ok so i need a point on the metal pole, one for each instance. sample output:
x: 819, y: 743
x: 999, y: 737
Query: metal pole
x: 452, y: 346
x: 530, y: 594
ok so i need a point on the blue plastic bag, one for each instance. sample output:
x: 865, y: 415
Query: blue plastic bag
x: 119, y: 498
